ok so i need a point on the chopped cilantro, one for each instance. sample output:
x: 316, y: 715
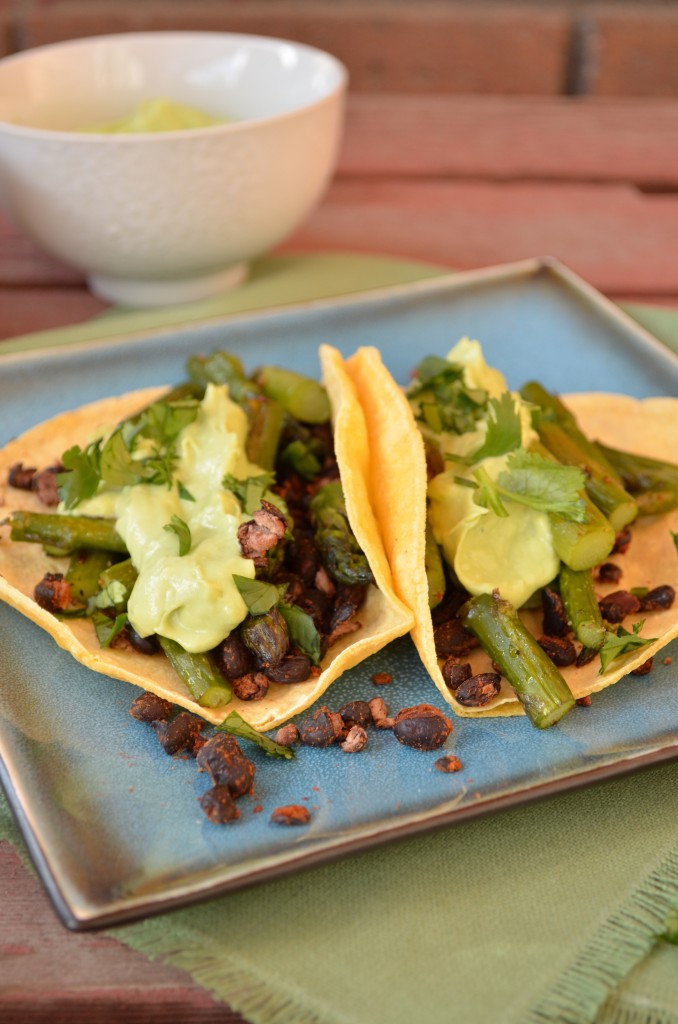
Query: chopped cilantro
x: 302, y: 631
x: 251, y: 490
x: 106, y: 628
x: 622, y: 642
x: 183, y: 532
x: 442, y: 400
x: 258, y: 595
x: 184, y: 492
x: 675, y: 539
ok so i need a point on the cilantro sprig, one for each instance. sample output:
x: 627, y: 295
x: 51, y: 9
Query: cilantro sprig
x: 622, y: 642
x: 142, y: 449
x: 533, y: 480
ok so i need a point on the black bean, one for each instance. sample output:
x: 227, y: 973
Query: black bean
x: 294, y: 668
x: 223, y: 758
x: 615, y: 607
x: 608, y: 572
x: 319, y: 730
x: 149, y: 707
x: 555, y: 619
x: 232, y: 657
x: 659, y: 598
x: 560, y: 650
x: 253, y: 686
x: 422, y: 726
x: 356, y: 712
x: 452, y: 638
x: 479, y: 690
x: 456, y: 672
x: 219, y: 806
x: 142, y: 644
x: 20, y: 476
x: 180, y: 733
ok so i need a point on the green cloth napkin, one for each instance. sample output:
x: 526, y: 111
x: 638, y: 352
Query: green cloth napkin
x: 549, y: 913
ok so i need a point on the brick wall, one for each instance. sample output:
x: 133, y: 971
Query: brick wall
x: 579, y: 47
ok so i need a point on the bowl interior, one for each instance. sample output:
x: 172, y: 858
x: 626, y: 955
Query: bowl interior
x: 66, y: 86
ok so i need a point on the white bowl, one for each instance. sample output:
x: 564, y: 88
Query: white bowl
x: 173, y: 216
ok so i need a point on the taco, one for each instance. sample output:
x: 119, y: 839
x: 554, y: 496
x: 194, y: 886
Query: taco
x: 226, y: 522
x: 454, y: 458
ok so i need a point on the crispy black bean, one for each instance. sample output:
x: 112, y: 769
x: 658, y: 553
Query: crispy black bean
x: 356, y: 712
x: 294, y: 668
x: 219, y: 806
x: 422, y: 726
x: 615, y: 607
x: 479, y: 689
x: 143, y: 644
x: 233, y: 658
x: 451, y: 638
x: 456, y: 672
x: 223, y: 758
x: 320, y: 730
x: 560, y: 650
x: 608, y: 572
x: 555, y: 619
x: 659, y: 598
x: 181, y: 733
x: 149, y: 707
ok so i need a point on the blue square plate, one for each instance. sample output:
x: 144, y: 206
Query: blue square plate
x: 113, y: 823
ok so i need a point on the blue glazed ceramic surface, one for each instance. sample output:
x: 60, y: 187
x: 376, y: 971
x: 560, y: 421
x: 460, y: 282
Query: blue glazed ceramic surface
x: 114, y: 824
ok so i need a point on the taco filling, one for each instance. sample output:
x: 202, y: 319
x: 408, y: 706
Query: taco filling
x: 541, y: 565
x: 213, y: 543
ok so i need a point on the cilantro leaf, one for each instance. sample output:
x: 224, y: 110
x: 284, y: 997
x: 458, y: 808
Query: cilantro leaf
x: 184, y: 492
x: 235, y: 725
x: 82, y: 474
x: 183, y: 532
x: 622, y: 642
x: 258, y: 595
x: 545, y: 484
x: 504, y: 429
x: 675, y: 539
x: 106, y: 628
x: 302, y: 631
x: 532, y: 480
x: 249, y: 491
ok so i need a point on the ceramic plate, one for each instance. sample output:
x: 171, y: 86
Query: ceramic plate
x: 113, y: 823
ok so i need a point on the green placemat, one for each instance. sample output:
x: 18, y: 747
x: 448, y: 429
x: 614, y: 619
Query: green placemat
x: 545, y: 914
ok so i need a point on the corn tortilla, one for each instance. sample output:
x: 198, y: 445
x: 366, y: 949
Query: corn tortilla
x: 383, y: 616
x: 398, y: 489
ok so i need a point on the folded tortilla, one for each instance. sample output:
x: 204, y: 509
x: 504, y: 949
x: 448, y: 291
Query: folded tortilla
x: 383, y: 616
x: 399, y: 488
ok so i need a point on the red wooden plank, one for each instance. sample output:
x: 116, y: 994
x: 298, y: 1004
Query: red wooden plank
x: 621, y: 241
x: 48, y: 974
x: 416, y: 47
x: 506, y: 138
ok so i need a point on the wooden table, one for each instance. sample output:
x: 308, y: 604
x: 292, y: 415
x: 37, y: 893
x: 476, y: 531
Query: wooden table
x: 463, y: 181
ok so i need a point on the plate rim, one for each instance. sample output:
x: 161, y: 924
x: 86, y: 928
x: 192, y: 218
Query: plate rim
x: 132, y: 908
